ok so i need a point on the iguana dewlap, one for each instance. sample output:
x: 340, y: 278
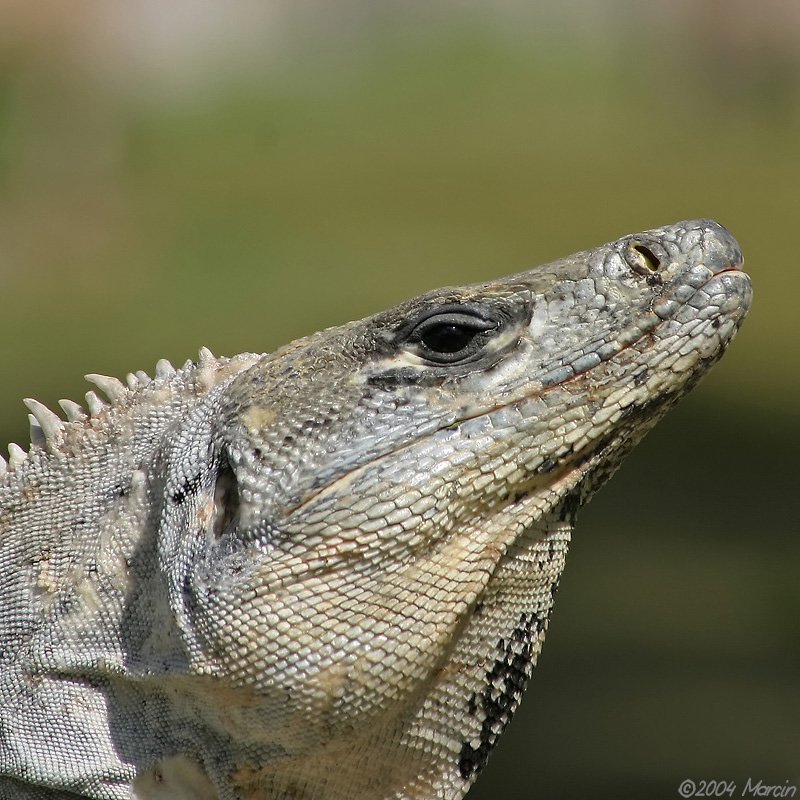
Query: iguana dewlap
x: 326, y: 573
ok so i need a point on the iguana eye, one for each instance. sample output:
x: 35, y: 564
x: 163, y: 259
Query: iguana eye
x: 448, y: 336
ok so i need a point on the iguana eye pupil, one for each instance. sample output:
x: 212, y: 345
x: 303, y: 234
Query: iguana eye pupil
x: 447, y: 337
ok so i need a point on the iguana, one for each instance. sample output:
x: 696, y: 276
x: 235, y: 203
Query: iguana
x: 326, y: 573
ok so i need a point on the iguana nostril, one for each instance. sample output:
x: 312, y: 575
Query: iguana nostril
x: 644, y: 260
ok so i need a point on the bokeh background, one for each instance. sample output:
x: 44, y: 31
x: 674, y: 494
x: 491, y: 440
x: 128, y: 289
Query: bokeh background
x: 177, y: 173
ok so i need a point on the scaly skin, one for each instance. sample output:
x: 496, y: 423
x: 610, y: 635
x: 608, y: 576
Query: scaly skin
x: 326, y: 573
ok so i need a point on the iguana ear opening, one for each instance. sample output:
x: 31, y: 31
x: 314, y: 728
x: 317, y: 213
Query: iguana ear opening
x: 226, y: 499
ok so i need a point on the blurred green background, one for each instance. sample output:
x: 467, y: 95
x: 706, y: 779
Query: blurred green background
x: 175, y: 175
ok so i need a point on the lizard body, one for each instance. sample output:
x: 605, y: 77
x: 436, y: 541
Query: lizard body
x: 327, y: 572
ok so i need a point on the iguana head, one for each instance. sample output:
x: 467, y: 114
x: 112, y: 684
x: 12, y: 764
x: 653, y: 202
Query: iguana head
x: 596, y: 324
x: 373, y: 480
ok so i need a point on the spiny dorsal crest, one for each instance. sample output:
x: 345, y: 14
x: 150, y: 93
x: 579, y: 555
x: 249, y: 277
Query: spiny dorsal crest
x: 48, y: 430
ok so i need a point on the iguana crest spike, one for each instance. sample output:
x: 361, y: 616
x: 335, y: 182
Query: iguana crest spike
x: 113, y: 388
x: 72, y: 411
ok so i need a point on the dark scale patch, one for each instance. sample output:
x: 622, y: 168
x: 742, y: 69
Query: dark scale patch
x: 641, y: 378
x: 569, y: 509
x: 188, y: 487
x: 397, y: 378
x: 505, y: 683
x: 548, y: 465
x: 117, y: 491
x: 597, y: 449
x: 654, y: 280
